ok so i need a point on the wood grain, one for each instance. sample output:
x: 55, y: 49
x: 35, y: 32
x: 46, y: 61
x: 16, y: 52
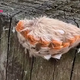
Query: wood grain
x: 4, y: 30
x: 76, y: 71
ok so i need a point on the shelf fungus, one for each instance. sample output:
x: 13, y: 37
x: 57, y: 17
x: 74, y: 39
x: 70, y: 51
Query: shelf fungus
x: 47, y: 37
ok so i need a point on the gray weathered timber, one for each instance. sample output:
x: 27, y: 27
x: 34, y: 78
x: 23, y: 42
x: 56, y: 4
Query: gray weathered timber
x: 18, y: 65
x: 4, y: 30
x: 76, y: 71
x: 63, y: 68
x: 42, y: 69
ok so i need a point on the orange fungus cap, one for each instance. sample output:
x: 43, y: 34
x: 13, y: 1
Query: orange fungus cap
x: 19, y: 26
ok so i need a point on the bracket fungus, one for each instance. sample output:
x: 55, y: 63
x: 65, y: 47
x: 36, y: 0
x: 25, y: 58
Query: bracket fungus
x: 47, y: 37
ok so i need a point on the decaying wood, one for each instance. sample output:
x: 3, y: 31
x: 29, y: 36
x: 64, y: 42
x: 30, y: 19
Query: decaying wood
x: 4, y: 30
x: 14, y: 63
x: 76, y: 70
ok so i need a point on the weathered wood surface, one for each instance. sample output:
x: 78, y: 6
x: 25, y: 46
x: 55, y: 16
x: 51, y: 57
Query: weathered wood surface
x: 14, y: 63
x: 4, y: 29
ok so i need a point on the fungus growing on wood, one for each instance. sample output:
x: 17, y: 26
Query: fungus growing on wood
x: 47, y: 37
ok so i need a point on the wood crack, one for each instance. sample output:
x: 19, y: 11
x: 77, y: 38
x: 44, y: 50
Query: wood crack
x: 8, y: 45
x: 75, y: 55
x: 55, y: 61
x: 72, y: 69
x: 32, y: 63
